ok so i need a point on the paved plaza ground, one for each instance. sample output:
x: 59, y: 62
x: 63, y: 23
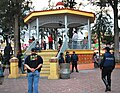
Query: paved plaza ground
x: 86, y: 81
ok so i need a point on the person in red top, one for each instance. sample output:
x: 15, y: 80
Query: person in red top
x: 50, y: 41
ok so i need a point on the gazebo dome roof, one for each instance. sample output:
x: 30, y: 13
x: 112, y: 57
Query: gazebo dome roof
x: 60, y: 3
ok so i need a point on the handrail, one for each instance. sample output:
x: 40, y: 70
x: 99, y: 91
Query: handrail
x: 32, y: 45
x: 79, y: 44
x: 63, y: 47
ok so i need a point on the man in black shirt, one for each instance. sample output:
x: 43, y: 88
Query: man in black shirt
x: 33, y: 63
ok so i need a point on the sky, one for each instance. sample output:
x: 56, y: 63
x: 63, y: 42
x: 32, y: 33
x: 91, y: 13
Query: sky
x: 40, y: 4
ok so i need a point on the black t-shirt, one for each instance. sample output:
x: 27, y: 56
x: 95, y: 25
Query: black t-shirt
x: 33, y: 61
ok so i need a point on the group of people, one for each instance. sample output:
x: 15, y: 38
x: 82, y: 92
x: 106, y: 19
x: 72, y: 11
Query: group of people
x: 5, y: 58
x: 33, y: 63
x: 73, y: 59
x: 43, y: 44
x: 8, y: 52
x: 106, y: 65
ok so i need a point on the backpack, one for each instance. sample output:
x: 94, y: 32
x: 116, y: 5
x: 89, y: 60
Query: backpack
x: 109, y: 60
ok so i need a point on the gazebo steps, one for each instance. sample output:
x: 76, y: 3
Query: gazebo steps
x: 46, y: 55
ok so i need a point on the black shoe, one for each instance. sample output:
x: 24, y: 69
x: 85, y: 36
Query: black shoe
x: 77, y: 71
x: 109, y: 88
x: 106, y: 90
x: 71, y: 71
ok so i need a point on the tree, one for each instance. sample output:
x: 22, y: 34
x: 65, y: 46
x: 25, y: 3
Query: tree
x: 11, y: 17
x: 102, y: 27
x: 69, y: 3
x: 114, y: 5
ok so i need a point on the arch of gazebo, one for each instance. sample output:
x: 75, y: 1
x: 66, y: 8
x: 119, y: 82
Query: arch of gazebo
x: 68, y: 18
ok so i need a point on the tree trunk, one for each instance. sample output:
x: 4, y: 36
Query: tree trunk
x: 16, y: 39
x: 116, y: 33
x: 19, y: 43
x: 99, y: 36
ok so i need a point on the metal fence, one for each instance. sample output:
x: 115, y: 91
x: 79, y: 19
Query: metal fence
x: 77, y: 44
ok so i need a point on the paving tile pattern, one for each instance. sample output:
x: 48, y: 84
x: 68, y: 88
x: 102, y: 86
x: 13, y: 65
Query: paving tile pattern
x: 86, y: 81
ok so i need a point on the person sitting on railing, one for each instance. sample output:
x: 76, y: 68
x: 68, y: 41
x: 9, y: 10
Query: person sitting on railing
x: 30, y: 41
x: 33, y: 39
x: 37, y: 46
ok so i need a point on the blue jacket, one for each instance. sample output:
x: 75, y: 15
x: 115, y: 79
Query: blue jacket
x: 108, y: 60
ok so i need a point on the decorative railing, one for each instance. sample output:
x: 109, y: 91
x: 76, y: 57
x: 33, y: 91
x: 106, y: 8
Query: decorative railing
x: 79, y: 44
x: 32, y: 45
x: 63, y: 47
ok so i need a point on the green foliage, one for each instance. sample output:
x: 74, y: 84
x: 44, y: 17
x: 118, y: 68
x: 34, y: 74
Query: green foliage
x: 8, y: 9
x: 69, y: 3
x: 103, y: 25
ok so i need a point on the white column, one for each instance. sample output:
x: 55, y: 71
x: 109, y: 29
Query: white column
x: 37, y: 28
x: 66, y: 29
x: 29, y: 29
x: 89, y: 35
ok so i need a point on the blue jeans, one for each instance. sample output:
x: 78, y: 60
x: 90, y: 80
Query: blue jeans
x: 33, y: 81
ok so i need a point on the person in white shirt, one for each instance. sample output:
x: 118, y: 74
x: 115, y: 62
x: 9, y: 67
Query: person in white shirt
x: 74, y: 40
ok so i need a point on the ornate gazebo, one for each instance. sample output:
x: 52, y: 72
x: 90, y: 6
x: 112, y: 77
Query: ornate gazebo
x: 62, y: 18
x: 68, y: 18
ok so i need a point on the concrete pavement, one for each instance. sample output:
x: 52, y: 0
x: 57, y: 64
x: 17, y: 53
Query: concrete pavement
x: 86, y: 81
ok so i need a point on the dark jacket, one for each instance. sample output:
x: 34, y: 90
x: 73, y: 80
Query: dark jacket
x: 67, y: 58
x: 74, y: 58
x: 61, y: 60
x: 19, y: 56
x: 108, y: 61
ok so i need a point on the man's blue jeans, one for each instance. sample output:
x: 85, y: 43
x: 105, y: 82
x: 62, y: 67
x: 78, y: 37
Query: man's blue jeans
x: 33, y: 81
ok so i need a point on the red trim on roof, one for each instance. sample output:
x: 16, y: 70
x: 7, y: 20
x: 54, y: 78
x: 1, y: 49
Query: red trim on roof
x: 60, y: 3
